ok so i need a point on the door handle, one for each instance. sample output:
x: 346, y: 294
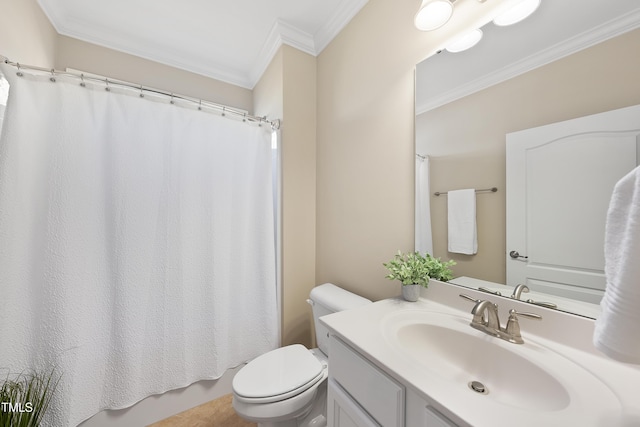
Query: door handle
x: 516, y: 255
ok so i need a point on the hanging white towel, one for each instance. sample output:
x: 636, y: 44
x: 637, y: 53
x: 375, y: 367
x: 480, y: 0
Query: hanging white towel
x: 463, y: 237
x: 616, y: 330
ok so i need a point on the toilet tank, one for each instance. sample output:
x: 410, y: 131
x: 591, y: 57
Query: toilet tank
x: 326, y: 299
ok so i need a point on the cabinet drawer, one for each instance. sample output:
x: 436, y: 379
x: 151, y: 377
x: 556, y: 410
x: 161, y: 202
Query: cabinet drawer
x: 377, y: 393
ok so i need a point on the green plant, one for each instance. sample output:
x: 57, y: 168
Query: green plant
x: 415, y: 269
x: 25, y: 397
x: 440, y: 270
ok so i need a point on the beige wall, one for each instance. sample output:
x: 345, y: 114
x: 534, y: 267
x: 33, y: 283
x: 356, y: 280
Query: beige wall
x: 25, y: 33
x: 79, y: 55
x: 288, y: 88
x: 466, y: 138
x: 27, y: 36
x: 366, y: 143
x: 298, y: 193
x: 268, y: 93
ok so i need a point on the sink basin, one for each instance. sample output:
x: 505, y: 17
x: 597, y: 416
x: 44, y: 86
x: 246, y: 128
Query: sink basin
x: 523, y: 376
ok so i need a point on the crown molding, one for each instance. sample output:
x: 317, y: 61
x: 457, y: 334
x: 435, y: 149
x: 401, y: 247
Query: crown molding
x: 558, y: 51
x: 77, y: 29
x: 342, y: 16
x: 283, y: 33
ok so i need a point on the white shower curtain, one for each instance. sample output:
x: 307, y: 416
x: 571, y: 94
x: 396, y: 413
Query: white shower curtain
x: 136, y: 243
x: 423, y: 237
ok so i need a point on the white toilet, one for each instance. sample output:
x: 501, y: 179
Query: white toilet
x: 287, y: 387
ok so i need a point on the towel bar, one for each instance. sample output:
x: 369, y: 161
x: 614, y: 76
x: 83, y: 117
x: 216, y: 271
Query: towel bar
x: 484, y: 190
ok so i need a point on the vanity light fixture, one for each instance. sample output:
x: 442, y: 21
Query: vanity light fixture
x: 433, y: 14
x: 465, y: 42
x: 517, y: 13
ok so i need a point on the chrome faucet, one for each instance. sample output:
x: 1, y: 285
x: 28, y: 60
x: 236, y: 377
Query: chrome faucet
x: 491, y: 324
x: 519, y: 290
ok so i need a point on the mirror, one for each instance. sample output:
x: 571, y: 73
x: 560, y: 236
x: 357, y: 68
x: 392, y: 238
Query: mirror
x: 544, y: 70
x: 4, y: 94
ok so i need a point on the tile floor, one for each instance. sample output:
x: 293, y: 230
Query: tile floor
x: 217, y: 413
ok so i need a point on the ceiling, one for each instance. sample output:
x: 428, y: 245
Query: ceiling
x: 557, y: 29
x: 235, y: 40
x: 228, y: 40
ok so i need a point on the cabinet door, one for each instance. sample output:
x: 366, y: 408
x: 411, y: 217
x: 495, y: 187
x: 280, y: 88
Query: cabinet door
x: 436, y: 419
x: 377, y: 394
x: 342, y: 411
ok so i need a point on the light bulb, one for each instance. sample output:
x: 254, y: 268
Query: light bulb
x: 433, y: 14
x: 517, y: 12
x: 465, y: 42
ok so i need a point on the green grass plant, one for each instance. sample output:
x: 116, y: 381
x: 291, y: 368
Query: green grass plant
x: 25, y: 397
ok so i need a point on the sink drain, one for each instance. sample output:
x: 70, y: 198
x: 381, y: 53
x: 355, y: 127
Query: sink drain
x: 478, y: 387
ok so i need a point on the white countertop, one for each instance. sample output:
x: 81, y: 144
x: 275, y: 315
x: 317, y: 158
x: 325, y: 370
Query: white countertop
x: 568, y: 336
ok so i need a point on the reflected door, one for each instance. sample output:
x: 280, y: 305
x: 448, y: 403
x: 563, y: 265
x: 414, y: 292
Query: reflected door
x: 559, y: 181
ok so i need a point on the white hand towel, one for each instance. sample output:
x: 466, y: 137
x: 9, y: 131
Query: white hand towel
x: 616, y: 330
x: 463, y: 237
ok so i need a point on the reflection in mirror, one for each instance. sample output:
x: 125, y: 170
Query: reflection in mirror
x: 4, y: 94
x: 517, y: 78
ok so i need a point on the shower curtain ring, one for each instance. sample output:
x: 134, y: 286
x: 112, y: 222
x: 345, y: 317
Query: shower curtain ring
x: 19, y: 73
x: 200, y: 105
x: 224, y: 113
x: 53, y: 76
x: 141, y: 94
x: 244, y: 117
x: 82, y: 83
x: 171, y: 102
x: 107, y: 88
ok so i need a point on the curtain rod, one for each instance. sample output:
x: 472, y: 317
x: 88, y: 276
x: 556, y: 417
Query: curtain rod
x: 223, y: 109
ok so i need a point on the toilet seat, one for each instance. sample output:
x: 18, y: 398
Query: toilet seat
x: 278, y: 375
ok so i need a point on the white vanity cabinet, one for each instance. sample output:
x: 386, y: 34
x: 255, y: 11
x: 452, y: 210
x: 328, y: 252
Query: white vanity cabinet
x: 395, y: 363
x: 361, y: 395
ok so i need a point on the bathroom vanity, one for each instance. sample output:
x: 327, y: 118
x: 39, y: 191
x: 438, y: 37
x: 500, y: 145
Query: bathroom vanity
x: 396, y: 363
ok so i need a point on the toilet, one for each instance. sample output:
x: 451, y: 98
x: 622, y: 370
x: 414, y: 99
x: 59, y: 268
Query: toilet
x: 287, y: 387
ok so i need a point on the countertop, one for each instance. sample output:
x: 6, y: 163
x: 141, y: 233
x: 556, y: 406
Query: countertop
x: 568, y: 336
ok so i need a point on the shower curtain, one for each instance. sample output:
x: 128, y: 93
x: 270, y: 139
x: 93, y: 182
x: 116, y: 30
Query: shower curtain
x: 136, y: 242
x: 423, y: 236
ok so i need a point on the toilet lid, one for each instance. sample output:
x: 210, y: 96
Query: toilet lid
x: 278, y: 372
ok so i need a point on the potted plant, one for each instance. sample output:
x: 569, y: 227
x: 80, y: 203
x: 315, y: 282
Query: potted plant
x: 25, y: 398
x: 414, y: 270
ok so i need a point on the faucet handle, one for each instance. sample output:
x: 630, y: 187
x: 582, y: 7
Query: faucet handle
x: 513, y: 326
x: 515, y: 313
x: 542, y: 303
x: 489, y: 291
x: 465, y: 296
